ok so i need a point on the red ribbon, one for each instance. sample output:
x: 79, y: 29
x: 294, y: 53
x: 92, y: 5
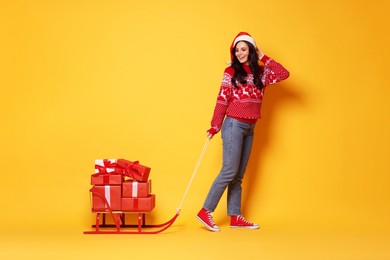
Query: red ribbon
x: 106, y: 176
x: 106, y: 179
x: 136, y: 204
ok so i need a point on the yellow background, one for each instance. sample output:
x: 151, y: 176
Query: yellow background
x: 83, y: 80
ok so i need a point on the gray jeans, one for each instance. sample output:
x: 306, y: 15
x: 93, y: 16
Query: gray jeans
x: 237, y: 140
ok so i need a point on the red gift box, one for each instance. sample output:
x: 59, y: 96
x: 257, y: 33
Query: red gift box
x: 139, y: 204
x: 104, y: 179
x: 105, y: 197
x: 105, y: 165
x: 133, y: 170
x: 136, y: 189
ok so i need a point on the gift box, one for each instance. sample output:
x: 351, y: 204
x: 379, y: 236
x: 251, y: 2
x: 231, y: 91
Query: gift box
x: 105, y: 165
x: 105, y: 197
x: 105, y: 179
x: 139, y: 204
x: 133, y: 170
x: 136, y: 189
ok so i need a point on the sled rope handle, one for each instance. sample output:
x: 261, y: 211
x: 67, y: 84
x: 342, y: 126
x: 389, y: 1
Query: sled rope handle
x: 193, y: 174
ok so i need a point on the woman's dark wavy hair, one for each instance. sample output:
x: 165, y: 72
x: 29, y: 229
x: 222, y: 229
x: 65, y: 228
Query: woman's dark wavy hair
x: 240, y: 74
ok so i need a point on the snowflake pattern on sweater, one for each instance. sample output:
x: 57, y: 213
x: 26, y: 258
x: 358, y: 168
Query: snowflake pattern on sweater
x: 245, y: 101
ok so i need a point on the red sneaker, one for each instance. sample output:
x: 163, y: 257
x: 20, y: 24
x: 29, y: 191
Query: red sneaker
x: 241, y: 222
x: 205, y: 217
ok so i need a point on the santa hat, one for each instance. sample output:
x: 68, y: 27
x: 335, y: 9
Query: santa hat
x: 242, y: 36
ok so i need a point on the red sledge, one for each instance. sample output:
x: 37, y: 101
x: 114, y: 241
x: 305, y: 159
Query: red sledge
x: 118, y: 216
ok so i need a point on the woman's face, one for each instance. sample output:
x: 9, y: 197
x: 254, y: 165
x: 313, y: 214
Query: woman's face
x: 242, y: 52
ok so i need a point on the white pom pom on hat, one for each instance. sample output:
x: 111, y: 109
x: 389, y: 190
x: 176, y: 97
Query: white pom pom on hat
x: 242, y: 36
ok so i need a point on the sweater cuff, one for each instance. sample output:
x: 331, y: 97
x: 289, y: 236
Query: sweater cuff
x: 213, y: 131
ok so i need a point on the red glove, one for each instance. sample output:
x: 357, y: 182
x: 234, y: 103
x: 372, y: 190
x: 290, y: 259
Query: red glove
x: 211, y: 132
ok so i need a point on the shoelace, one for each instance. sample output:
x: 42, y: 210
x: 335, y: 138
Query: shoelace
x: 244, y: 220
x: 210, y: 217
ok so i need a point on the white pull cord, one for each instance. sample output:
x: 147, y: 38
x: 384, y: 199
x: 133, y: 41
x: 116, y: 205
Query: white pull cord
x: 193, y: 174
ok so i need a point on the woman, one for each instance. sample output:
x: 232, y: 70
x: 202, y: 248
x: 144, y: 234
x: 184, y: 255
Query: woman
x: 239, y: 99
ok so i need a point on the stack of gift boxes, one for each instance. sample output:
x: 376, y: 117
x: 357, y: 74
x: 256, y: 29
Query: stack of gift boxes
x: 121, y: 185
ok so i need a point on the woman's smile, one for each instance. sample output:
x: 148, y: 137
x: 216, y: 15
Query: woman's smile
x: 242, y: 52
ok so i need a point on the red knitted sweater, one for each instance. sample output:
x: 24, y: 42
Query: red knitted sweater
x: 244, y: 102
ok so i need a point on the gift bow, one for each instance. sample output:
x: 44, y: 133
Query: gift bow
x: 106, y: 164
x: 129, y: 170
